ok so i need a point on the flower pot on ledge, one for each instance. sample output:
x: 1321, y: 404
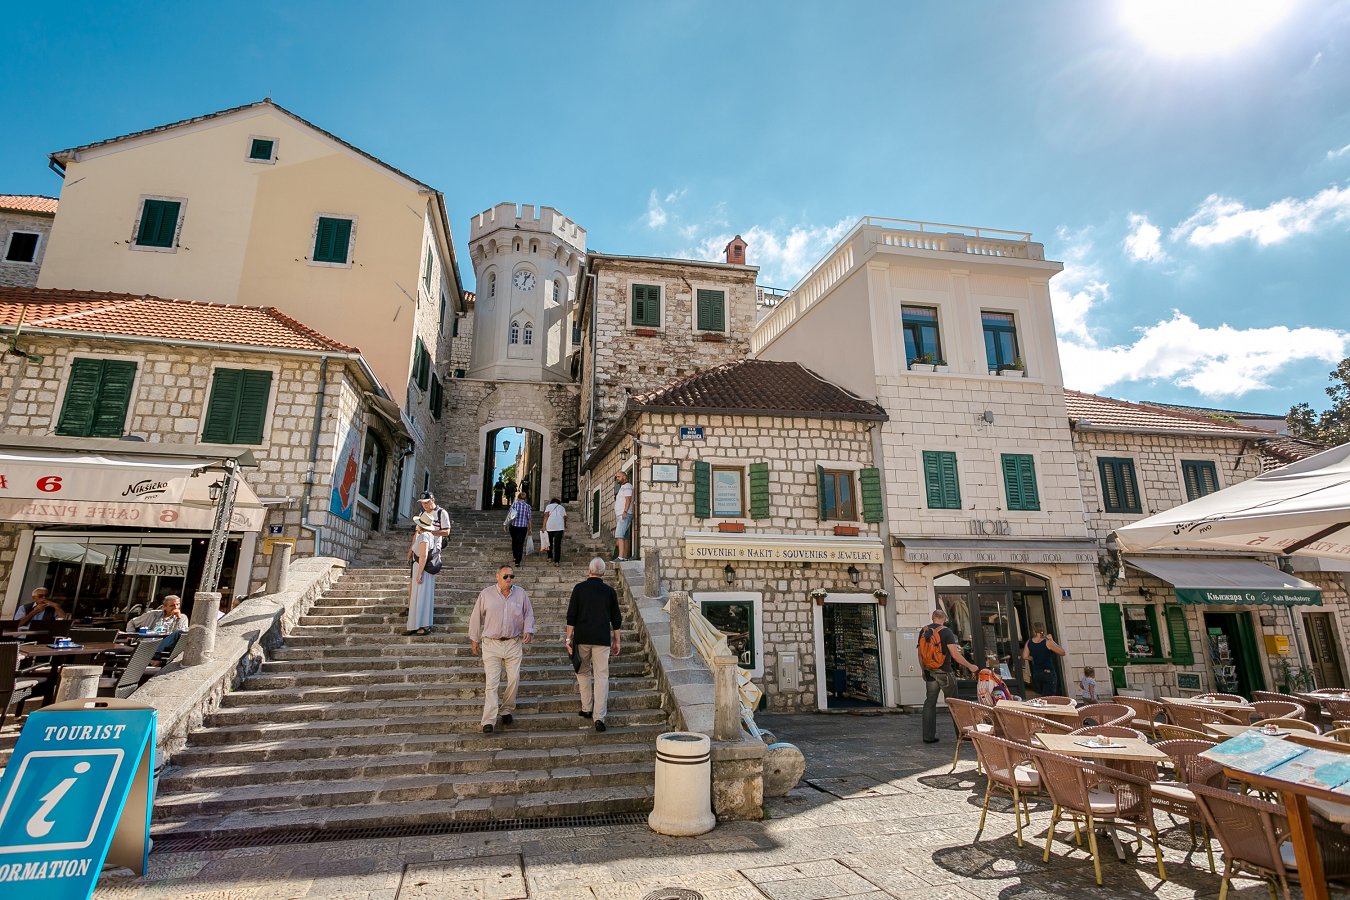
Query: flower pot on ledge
x: 922, y: 367
x: 846, y: 530
x: 1012, y: 373
x: 731, y: 527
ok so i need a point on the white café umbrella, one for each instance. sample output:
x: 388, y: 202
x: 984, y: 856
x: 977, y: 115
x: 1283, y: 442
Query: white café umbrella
x: 1302, y: 509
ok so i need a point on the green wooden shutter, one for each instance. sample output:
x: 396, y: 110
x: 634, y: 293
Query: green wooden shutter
x: 820, y: 493
x: 1113, y: 632
x: 595, y: 511
x: 1120, y: 490
x: 114, y: 396
x: 436, y: 398
x: 159, y: 221
x: 1019, y: 480
x: 702, y: 490
x: 254, y: 391
x: 77, y: 412
x: 940, y: 477
x: 759, y: 490
x: 1200, y: 477
x: 646, y: 305
x: 426, y: 276
x: 712, y: 308
x: 260, y: 149
x: 330, y: 243
x: 1178, y: 636
x: 222, y: 409
x: 869, y: 486
x: 421, y: 364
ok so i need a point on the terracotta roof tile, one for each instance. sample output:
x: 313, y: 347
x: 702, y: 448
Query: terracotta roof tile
x: 759, y: 387
x: 135, y: 315
x: 1111, y: 414
x: 1209, y: 411
x: 32, y: 203
x: 1280, y: 451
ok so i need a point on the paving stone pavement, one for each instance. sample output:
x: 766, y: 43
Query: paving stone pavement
x: 877, y: 817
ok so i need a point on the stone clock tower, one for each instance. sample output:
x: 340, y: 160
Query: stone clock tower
x: 525, y: 262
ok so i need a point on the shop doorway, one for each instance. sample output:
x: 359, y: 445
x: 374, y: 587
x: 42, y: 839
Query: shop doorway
x: 851, y: 663
x: 1233, y: 658
x: 1325, y: 661
x: 992, y: 612
x: 513, y: 460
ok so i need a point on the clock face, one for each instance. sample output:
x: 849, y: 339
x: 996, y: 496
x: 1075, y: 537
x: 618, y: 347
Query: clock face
x: 523, y: 281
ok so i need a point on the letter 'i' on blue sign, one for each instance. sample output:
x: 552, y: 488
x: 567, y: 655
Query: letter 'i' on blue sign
x: 77, y: 786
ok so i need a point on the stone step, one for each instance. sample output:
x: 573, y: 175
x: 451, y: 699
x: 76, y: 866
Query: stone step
x: 466, y: 708
x: 430, y: 722
x: 642, y: 693
x: 588, y: 801
x: 396, y: 643
x: 464, y: 760
x: 632, y: 677
x: 537, y: 660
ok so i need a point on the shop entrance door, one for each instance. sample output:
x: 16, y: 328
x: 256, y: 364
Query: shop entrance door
x: 852, y: 663
x: 991, y: 612
x: 1326, y: 662
x: 1233, y: 657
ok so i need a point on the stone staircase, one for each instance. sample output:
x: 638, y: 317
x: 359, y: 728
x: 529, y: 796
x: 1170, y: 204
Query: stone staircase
x: 355, y: 725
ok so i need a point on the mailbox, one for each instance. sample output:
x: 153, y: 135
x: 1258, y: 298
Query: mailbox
x: 1277, y: 643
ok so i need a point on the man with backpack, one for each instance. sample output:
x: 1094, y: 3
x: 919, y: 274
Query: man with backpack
x: 938, y: 651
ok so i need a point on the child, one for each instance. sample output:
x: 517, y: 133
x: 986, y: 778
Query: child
x: 1087, y: 685
x: 991, y: 688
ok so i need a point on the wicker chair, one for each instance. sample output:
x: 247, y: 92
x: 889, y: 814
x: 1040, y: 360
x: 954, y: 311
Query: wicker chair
x: 1291, y: 724
x: 1276, y: 709
x: 1339, y: 734
x: 1312, y: 706
x: 1175, y: 797
x: 1111, y: 731
x: 1337, y: 709
x: 1058, y: 700
x: 1008, y: 769
x: 1101, y: 796
x: 1147, y: 713
x: 1105, y: 714
x: 1274, y: 695
x: 1225, y: 698
x: 1254, y: 833
x: 125, y: 684
x: 968, y: 717
x: 1197, y: 717
x: 1023, y: 727
x: 13, y: 689
x: 1169, y: 732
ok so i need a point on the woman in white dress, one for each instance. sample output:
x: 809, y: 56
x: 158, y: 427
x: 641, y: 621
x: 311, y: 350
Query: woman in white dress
x: 422, y: 590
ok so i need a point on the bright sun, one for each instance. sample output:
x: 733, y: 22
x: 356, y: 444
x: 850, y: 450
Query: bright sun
x: 1201, y: 27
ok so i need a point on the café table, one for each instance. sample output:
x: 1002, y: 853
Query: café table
x: 1296, y: 800
x: 1126, y: 749
x: 1049, y: 710
x: 1223, y: 706
x: 59, y: 655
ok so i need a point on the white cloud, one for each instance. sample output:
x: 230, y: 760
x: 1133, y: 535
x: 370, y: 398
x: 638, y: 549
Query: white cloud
x: 783, y: 256
x: 1221, y: 220
x: 656, y: 213
x: 1076, y: 290
x: 1337, y: 154
x: 1144, y: 242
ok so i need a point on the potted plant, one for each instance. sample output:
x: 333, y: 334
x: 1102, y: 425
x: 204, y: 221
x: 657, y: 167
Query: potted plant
x: 819, y: 595
x: 925, y: 363
x: 1016, y: 369
x: 881, y: 595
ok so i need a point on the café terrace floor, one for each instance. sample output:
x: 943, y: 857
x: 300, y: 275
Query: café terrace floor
x: 877, y: 816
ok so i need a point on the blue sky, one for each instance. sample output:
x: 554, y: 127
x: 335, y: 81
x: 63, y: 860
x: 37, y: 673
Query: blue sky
x: 1193, y: 176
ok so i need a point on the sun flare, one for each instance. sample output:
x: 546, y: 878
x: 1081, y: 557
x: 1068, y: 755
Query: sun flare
x: 1201, y: 27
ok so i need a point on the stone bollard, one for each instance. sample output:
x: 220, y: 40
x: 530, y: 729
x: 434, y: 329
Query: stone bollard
x: 726, y: 699
x: 683, y: 800
x: 784, y: 766
x: 278, y: 571
x: 651, y: 572
x: 78, y: 682
x: 679, y: 625
x: 201, y: 634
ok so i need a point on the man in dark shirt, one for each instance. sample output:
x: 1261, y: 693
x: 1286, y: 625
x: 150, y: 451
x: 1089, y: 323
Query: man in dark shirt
x: 593, y: 621
x: 944, y: 678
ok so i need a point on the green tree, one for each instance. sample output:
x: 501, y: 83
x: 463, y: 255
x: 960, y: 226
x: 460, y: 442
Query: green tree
x: 1332, y: 425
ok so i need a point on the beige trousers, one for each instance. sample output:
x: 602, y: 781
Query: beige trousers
x: 593, y: 680
x: 499, y: 653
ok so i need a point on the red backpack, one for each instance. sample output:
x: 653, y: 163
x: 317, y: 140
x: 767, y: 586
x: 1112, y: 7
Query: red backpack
x: 932, y: 655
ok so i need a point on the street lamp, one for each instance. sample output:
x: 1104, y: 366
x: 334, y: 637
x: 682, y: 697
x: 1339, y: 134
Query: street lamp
x: 854, y: 575
x: 213, y: 491
x: 729, y: 573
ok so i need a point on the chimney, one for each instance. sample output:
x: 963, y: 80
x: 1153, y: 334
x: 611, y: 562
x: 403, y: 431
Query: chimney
x: 736, y: 251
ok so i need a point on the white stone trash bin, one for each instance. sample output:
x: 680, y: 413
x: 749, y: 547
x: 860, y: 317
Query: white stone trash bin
x: 683, y: 804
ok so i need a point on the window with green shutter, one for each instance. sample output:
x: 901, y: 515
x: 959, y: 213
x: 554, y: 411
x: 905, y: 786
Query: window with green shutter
x: 1113, y: 631
x: 261, y: 149
x: 437, y: 397
x: 646, y: 306
x: 97, y: 396
x: 426, y: 273
x: 236, y: 412
x: 1019, y: 481
x: 939, y: 475
x: 159, y: 223
x: 1178, y: 636
x: 1200, y: 476
x: 869, y: 486
x: 759, y: 490
x: 421, y: 365
x: 332, y: 240
x: 1120, y: 490
x: 836, y: 494
x: 712, y: 310
x: 702, y: 490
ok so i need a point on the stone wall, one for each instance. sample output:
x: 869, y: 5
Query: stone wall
x: 627, y: 359
x: 792, y: 447
x: 17, y: 274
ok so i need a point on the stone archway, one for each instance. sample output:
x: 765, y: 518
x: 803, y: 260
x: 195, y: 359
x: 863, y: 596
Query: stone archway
x: 537, y: 459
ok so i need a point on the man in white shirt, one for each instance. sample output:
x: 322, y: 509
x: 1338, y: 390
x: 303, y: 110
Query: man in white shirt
x: 555, y: 522
x: 623, y: 515
x: 439, y: 515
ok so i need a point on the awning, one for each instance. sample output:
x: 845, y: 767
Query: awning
x: 987, y: 550
x: 131, y: 489
x: 1238, y: 582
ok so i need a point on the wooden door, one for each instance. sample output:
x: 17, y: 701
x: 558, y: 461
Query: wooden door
x: 1326, y: 662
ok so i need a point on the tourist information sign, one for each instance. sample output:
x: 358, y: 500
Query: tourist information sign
x: 75, y: 793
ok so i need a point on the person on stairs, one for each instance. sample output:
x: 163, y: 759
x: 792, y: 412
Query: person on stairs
x: 500, y: 624
x: 623, y: 516
x: 422, y: 587
x: 518, y: 524
x: 440, y: 517
x: 555, y: 522
x: 593, y: 621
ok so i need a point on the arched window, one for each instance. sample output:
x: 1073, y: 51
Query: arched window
x: 557, y: 290
x: 529, y: 334
x: 515, y: 333
x: 492, y: 284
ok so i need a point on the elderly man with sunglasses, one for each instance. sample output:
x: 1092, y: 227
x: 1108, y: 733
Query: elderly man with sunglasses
x: 502, y: 622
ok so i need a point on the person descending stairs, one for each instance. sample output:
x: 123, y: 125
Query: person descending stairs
x: 354, y: 724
